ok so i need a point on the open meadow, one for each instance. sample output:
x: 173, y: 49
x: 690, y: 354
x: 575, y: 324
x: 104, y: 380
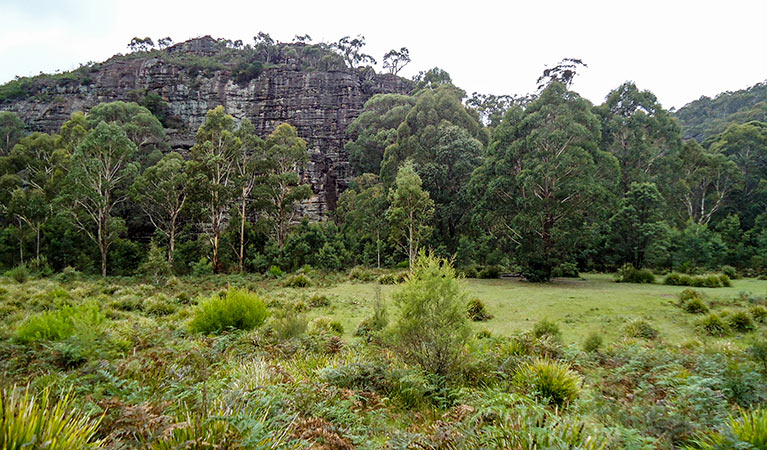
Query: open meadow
x: 631, y: 366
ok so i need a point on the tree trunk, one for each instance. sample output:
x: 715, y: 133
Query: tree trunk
x: 171, y: 242
x: 103, y: 249
x: 215, y: 250
x: 378, y: 247
x: 242, y: 233
x: 37, y: 242
x: 410, y: 245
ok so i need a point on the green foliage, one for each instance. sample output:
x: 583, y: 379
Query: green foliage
x: 640, y: 329
x: 566, y: 270
x: 549, y: 381
x: 546, y: 327
x: 289, y: 324
x: 759, y: 313
x: 298, y: 281
x: 377, y: 321
x: 730, y: 272
x: 238, y: 309
x: 747, y: 431
x: 758, y: 352
x: 31, y: 421
x: 392, y: 278
x: 592, y: 343
x: 319, y: 301
x: 19, y: 274
x: 714, y: 325
x: 60, y: 324
x: 410, y: 212
x: 320, y: 325
x: 275, y: 272
x: 688, y: 294
x: 202, y: 267
x: 156, y: 266
x: 741, y: 321
x: 628, y: 274
x: 695, y: 305
x: 709, y: 281
x: 432, y: 326
x: 477, y: 310
x: 489, y: 272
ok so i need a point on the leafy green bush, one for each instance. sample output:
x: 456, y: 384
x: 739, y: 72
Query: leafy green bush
x: 19, y: 274
x: 741, y: 321
x: 238, y: 309
x: 362, y: 274
x: 545, y: 327
x: 274, y: 272
x: 59, y: 324
x: 477, y: 311
x: 432, y: 326
x: 710, y: 281
x: 202, y: 267
x: 592, y: 343
x: 730, y: 271
x: 32, y: 421
x: 156, y: 266
x: 160, y: 306
x: 748, y: 431
x: 321, y: 325
x: 392, y: 278
x: 319, y: 301
x: 289, y: 324
x: 759, y: 313
x: 298, y: 281
x: 688, y: 294
x: 640, y: 329
x: 695, y: 306
x: 550, y: 381
x: 489, y: 272
x: 566, y: 270
x: 629, y: 274
x: 758, y: 352
x: 714, y: 325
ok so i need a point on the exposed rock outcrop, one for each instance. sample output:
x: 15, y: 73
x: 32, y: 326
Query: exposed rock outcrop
x: 319, y: 103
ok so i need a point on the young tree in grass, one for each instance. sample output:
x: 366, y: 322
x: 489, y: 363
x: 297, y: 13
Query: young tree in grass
x: 249, y: 167
x: 432, y: 327
x: 161, y: 191
x: 101, y: 170
x: 286, y: 154
x: 212, y: 173
x: 410, y: 211
x: 359, y: 208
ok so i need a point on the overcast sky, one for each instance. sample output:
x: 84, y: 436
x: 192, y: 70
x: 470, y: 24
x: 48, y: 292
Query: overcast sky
x: 680, y: 50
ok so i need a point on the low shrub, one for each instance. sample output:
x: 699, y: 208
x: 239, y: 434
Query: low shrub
x: 57, y: 325
x: 288, y: 325
x: 759, y: 313
x: 392, y: 278
x: 688, y: 294
x: 640, y: 329
x: 489, y: 272
x: 477, y: 311
x: 592, y: 343
x: 298, y: 281
x: 19, y: 274
x: 68, y: 274
x: 714, y: 325
x: 741, y: 321
x: 629, y: 274
x: 709, y: 281
x: 758, y: 352
x: 695, y: 306
x: 730, y: 271
x: 322, y: 325
x: 546, y: 327
x: 274, y: 272
x: 566, y: 270
x: 748, y: 431
x: 318, y: 301
x: 160, y: 306
x: 32, y: 421
x: 549, y: 381
x: 238, y: 309
x: 469, y: 272
x: 362, y: 274
x: 202, y: 267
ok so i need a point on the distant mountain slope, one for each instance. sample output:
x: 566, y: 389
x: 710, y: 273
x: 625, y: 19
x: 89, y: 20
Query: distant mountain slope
x: 706, y: 117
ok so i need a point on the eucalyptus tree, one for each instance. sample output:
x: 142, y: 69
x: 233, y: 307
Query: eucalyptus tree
x: 250, y: 168
x: 410, y: 212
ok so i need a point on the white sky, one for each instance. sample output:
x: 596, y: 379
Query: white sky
x: 678, y: 49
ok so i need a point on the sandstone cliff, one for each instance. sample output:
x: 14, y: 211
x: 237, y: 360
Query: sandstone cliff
x: 320, y: 103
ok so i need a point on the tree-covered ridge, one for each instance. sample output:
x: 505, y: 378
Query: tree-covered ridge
x: 706, y: 117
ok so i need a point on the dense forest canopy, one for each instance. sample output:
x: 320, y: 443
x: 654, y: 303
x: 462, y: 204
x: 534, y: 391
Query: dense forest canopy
x: 532, y: 184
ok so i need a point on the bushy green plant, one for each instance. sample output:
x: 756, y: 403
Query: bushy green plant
x: 202, y: 267
x: 489, y: 272
x: 566, y: 270
x: 688, y: 294
x: 546, y: 327
x: 550, y: 381
x: 289, y: 324
x: 640, y: 329
x: 298, y: 281
x: 362, y: 274
x: 274, y: 272
x: 758, y: 352
x: 629, y: 274
x: 714, y: 325
x: 377, y: 321
x: 749, y: 431
x: 759, y: 313
x: 238, y: 309
x: 29, y: 422
x: 741, y: 321
x: 477, y: 311
x: 730, y: 271
x: 156, y: 266
x: 319, y: 301
x: 19, y: 274
x: 68, y: 274
x: 695, y: 306
x: 392, y: 278
x: 432, y: 326
x: 59, y: 324
x: 593, y: 342
x: 710, y: 281
x: 321, y: 325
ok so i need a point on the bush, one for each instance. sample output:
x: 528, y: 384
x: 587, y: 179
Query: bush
x: 640, y: 329
x: 714, y: 325
x: 156, y: 266
x: 318, y: 301
x: 289, y: 324
x: 710, y: 281
x: 730, y: 272
x: 549, y: 381
x: 32, y: 421
x: 688, y: 294
x: 758, y: 352
x: 432, y: 327
x: 377, y: 321
x: 724, y: 280
x: 202, y: 267
x: 592, y: 343
x: 750, y: 429
x: 566, y: 270
x: 392, y: 278
x: 322, y: 325
x: 362, y: 274
x: 19, y: 274
x: 68, y: 274
x: 759, y: 313
x: 629, y: 274
x: 477, y: 311
x: 546, y: 328
x: 59, y: 324
x: 489, y: 272
x: 238, y: 309
x: 274, y: 272
x: 298, y: 281
x: 695, y: 306
x: 741, y: 321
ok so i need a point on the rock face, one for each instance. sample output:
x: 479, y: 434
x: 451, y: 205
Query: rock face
x: 320, y: 104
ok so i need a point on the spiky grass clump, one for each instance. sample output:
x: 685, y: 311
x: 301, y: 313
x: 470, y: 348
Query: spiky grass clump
x: 238, y: 309
x: 29, y: 421
x: 750, y: 428
x: 640, y: 329
x: 714, y: 325
x: 57, y: 325
x: 549, y: 381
